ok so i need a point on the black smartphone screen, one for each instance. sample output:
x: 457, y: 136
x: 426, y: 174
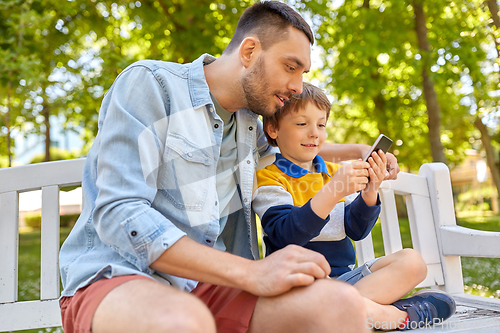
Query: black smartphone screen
x: 382, y: 143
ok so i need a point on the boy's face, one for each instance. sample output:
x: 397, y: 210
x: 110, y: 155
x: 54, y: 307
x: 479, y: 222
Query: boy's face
x: 276, y: 73
x: 301, y: 134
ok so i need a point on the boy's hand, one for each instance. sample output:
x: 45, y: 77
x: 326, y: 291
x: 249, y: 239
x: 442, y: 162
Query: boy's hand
x: 349, y: 179
x: 377, y: 171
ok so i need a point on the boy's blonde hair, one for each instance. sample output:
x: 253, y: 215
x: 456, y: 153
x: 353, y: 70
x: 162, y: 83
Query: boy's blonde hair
x: 310, y: 94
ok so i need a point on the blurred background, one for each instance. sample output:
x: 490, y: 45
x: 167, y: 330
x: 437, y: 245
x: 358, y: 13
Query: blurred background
x: 424, y: 73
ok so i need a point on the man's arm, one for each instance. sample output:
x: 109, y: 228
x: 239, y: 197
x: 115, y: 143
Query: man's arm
x: 335, y: 152
x: 279, y: 272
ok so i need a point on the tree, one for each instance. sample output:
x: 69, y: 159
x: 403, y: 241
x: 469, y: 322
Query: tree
x: 60, y: 57
x: 374, y: 68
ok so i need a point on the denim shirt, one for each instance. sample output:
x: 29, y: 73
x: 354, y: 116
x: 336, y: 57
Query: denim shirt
x: 150, y: 176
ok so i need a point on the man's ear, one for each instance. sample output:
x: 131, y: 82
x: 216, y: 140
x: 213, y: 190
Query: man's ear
x: 249, y: 50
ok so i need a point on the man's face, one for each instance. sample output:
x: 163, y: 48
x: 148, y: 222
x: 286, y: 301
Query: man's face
x: 277, y: 73
x: 301, y: 134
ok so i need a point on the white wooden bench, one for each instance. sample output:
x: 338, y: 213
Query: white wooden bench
x: 431, y: 215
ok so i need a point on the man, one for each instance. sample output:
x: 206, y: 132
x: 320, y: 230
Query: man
x: 168, y: 187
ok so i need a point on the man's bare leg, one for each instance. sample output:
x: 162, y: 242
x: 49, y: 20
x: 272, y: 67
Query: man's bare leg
x: 151, y: 307
x: 325, y: 306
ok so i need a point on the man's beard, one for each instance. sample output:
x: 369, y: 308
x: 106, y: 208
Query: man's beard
x: 255, y: 88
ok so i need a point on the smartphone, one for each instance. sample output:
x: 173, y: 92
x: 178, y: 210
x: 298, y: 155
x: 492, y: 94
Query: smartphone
x: 382, y: 143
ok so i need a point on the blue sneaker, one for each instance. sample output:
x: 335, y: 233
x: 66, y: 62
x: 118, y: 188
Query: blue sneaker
x: 426, y: 307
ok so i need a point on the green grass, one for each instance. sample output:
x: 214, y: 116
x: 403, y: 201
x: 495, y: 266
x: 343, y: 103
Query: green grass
x: 480, y: 274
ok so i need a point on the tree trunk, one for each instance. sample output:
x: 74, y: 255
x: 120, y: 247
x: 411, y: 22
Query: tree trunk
x: 46, y: 114
x: 490, y: 155
x: 493, y: 7
x: 431, y: 100
x: 485, y: 136
x: 7, y: 120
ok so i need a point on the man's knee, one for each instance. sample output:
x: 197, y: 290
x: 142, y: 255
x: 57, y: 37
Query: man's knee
x: 189, y: 317
x: 337, y: 291
x: 337, y: 302
x: 148, y: 306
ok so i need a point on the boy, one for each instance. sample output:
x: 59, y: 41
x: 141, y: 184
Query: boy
x: 305, y: 201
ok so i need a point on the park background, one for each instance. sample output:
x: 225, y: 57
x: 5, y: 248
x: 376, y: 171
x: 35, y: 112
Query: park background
x: 425, y: 73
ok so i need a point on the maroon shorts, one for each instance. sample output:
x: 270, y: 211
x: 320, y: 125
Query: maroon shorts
x: 232, y: 308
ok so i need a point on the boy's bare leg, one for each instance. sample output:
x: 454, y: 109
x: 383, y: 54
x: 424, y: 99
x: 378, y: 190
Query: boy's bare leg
x: 383, y: 317
x: 151, y: 307
x: 393, y: 276
x: 324, y: 306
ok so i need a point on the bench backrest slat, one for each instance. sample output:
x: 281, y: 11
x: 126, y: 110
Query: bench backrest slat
x: 391, y: 233
x: 49, y: 275
x: 9, y: 243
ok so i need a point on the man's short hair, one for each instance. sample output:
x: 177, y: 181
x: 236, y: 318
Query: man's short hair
x: 269, y: 22
x: 310, y: 94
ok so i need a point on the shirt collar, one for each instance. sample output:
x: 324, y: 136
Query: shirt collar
x: 293, y: 170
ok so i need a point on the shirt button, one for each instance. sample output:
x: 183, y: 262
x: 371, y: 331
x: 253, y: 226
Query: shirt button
x: 208, y: 241
x: 216, y: 203
x: 250, y: 128
x: 190, y: 155
x: 246, y: 200
x: 248, y: 162
x: 216, y: 125
x: 133, y: 233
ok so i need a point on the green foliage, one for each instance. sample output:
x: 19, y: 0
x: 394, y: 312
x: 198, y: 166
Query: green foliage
x: 373, y: 69
x: 33, y: 220
x: 56, y: 154
x: 60, y: 57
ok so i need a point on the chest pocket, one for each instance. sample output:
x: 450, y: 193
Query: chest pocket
x: 187, y: 173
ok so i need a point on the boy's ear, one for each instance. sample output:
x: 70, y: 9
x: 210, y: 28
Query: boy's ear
x: 271, y: 131
x: 249, y: 50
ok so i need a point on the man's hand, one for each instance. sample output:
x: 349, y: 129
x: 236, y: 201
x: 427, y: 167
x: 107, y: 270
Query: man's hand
x: 293, y: 266
x: 392, y: 167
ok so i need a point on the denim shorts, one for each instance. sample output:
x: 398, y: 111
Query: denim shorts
x: 358, y: 273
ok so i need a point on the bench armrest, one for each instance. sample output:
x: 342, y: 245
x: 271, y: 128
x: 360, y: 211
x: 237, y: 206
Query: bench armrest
x: 460, y: 241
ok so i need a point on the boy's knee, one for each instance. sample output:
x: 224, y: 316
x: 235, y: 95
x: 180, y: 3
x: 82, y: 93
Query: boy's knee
x: 414, y: 263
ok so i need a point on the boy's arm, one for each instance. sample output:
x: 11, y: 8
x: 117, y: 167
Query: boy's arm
x: 359, y: 218
x: 283, y: 223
